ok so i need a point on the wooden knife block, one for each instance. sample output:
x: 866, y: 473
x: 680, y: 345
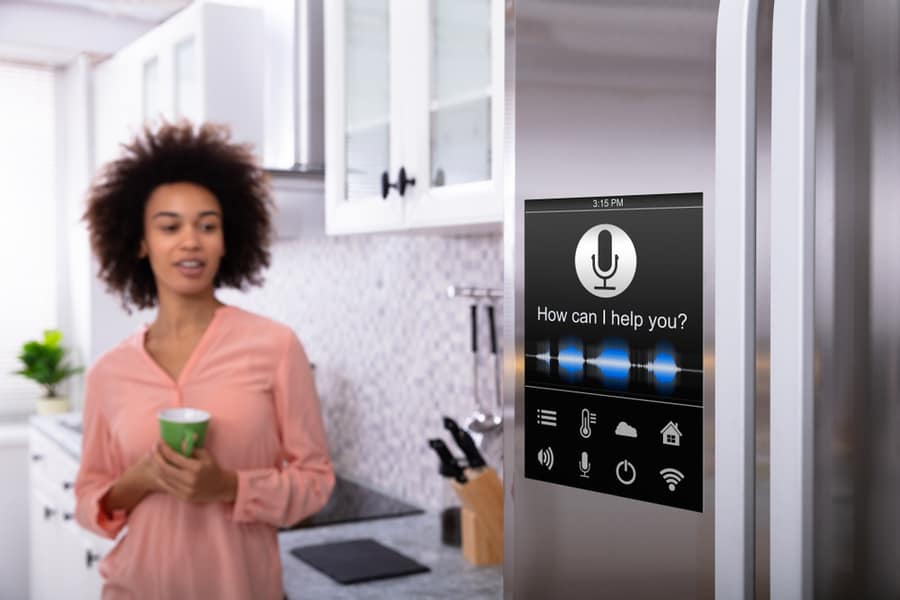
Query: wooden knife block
x: 481, y: 516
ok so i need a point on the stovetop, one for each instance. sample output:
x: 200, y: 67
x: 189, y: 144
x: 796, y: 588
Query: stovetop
x: 351, y: 502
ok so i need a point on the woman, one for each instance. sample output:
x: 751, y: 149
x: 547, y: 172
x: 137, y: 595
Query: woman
x: 181, y: 213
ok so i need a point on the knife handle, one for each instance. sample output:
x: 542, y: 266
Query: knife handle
x: 465, y: 443
x: 449, y: 466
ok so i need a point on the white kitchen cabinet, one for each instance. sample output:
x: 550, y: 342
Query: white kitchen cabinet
x: 63, y: 556
x: 413, y: 88
x: 14, y: 510
x: 203, y: 64
x: 45, y: 552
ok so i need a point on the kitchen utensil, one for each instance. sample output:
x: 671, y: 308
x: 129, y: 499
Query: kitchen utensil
x: 449, y: 466
x: 473, y: 322
x: 498, y: 408
x: 481, y: 421
x: 465, y: 443
x: 491, y: 442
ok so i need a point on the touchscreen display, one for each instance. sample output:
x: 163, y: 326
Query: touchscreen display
x: 614, y: 345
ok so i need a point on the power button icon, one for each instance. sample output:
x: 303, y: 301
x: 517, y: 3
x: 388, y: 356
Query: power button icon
x: 625, y: 472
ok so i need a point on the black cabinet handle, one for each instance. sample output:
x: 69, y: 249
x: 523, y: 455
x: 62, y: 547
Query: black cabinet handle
x: 67, y: 516
x: 67, y: 485
x: 403, y: 181
x: 37, y: 457
x: 48, y: 512
x: 90, y: 557
x: 385, y: 184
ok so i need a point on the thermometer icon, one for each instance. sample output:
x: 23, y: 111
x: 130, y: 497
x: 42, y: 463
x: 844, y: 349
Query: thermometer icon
x: 587, y: 419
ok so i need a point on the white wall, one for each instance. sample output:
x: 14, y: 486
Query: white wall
x: 92, y: 321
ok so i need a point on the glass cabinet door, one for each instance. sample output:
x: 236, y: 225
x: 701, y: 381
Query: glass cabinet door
x: 187, y: 84
x: 151, y: 101
x: 367, y: 97
x: 460, y: 92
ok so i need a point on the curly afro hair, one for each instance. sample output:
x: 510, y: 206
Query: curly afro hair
x: 178, y: 153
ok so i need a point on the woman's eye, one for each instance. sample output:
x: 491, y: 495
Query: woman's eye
x: 169, y: 227
x: 210, y: 227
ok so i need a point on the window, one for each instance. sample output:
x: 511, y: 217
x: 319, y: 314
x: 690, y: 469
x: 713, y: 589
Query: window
x: 28, y: 220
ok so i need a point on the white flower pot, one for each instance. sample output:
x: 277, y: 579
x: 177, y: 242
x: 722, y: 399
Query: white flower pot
x: 52, y: 406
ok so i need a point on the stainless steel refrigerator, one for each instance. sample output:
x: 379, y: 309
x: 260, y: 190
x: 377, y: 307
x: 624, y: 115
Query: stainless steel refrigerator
x: 702, y: 299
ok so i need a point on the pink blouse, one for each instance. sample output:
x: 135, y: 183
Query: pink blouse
x: 252, y: 375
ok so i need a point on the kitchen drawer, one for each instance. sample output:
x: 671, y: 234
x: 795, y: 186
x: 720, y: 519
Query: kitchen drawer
x: 64, y: 557
x: 41, y: 453
x: 52, y: 470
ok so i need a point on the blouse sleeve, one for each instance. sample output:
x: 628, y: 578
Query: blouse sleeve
x: 97, y: 471
x: 282, y: 496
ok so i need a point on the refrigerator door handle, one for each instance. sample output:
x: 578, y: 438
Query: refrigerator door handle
x: 735, y: 298
x: 793, y: 200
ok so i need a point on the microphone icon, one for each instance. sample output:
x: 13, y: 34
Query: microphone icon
x: 605, y: 252
x: 610, y: 263
x: 583, y: 465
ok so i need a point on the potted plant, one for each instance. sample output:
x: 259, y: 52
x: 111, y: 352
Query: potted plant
x: 43, y: 362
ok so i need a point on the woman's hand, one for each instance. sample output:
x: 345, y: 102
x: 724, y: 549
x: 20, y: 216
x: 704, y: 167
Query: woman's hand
x: 197, y: 479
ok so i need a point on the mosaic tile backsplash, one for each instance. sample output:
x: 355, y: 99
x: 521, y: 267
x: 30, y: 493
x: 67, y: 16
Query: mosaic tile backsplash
x: 392, y: 351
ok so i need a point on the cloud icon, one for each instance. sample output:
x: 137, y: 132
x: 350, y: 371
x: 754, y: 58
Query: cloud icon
x: 625, y: 430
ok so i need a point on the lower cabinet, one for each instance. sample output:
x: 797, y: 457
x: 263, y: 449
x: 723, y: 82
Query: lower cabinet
x: 14, y: 507
x: 45, y: 550
x: 64, y: 556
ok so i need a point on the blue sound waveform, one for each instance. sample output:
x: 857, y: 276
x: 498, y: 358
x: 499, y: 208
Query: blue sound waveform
x: 571, y: 359
x: 612, y: 363
x: 664, y: 368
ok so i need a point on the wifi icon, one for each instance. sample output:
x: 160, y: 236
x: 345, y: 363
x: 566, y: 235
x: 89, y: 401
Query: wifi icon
x: 545, y: 457
x: 672, y: 477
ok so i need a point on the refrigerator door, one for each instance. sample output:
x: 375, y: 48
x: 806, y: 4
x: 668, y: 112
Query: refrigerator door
x: 828, y: 139
x: 800, y: 184
x: 607, y: 100
x: 835, y: 396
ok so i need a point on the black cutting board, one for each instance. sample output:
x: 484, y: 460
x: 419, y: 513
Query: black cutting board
x: 356, y: 561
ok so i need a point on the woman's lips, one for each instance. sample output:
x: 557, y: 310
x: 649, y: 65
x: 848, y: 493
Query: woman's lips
x: 190, y: 269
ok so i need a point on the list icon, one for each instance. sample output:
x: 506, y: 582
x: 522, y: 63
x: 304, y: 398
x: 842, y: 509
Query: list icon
x: 546, y: 416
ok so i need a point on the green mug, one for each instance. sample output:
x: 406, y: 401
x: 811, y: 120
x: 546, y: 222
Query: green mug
x: 183, y: 429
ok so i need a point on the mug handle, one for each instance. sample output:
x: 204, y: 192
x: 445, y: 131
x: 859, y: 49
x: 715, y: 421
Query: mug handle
x: 187, y: 444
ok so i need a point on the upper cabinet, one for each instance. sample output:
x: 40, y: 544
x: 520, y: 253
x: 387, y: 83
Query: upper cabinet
x: 203, y: 64
x: 414, y: 115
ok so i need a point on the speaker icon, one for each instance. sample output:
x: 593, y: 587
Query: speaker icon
x: 545, y: 457
x: 672, y: 477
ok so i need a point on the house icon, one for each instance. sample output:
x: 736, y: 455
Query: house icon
x: 671, y: 436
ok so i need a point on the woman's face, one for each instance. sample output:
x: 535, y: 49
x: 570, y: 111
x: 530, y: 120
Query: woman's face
x: 183, y: 238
